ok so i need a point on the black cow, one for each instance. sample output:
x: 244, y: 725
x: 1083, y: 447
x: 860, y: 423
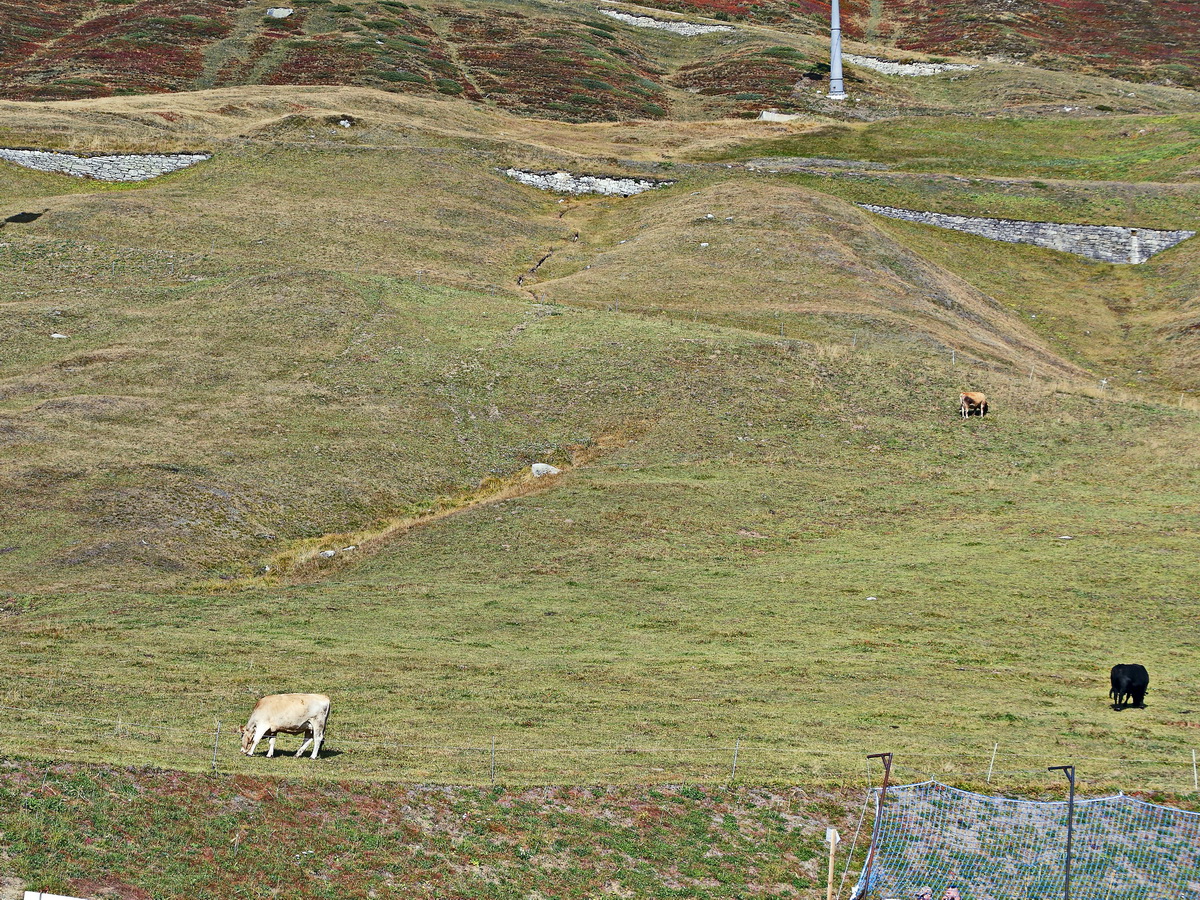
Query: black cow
x: 1129, y: 682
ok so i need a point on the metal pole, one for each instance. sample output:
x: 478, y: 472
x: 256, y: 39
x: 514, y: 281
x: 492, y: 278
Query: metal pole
x: 837, y: 88
x: 1069, y: 771
x: 216, y: 741
x: 493, y: 762
x: 887, y: 771
x: 1195, y: 774
x: 736, y: 744
x: 992, y: 764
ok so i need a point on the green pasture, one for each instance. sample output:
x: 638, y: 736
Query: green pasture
x: 1128, y: 148
x: 785, y: 543
x: 815, y: 560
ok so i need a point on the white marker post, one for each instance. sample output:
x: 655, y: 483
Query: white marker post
x: 837, y: 88
x: 831, y: 838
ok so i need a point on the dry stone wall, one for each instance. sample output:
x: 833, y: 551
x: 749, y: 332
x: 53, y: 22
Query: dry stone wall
x: 1106, y: 243
x: 125, y: 167
x: 687, y: 29
x: 887, y: 67
x: 566, y: 183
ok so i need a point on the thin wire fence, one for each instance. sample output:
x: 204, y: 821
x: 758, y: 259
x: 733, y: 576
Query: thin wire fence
x: 506, y: 759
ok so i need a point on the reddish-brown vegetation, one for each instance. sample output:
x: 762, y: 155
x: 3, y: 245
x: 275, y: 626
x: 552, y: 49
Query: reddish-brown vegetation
x: 570, y: 73
x: 754, y: 79
x: 154, y: 45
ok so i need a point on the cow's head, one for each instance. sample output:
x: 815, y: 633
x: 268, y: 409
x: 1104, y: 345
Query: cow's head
x: 247, y: 738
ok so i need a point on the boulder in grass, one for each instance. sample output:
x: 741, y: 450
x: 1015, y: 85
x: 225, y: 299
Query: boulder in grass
x: 540, y: 469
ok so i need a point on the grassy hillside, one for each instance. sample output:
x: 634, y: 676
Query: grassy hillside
x: 355, y: 841
x: 773, y: 535
x: 773, y: 530
x: 1146, y: 43
x: 1119, y: 148
x: 568, y: 61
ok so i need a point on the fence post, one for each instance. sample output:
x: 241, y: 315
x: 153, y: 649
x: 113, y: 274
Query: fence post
x: 493, y: 761
x: 992, y: 764
x: 1195, y: 774
x: 216, y: 743
x: 831, y: 837
x: 736, y: 745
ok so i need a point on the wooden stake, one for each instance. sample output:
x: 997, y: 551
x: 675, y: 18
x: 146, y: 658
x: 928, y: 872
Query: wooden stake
x: 831, y: 837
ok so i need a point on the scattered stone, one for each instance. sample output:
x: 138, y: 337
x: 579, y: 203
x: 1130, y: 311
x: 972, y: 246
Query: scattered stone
x: 59, y: 335
x: 540, y: 469
x: 566, y: 183
x: 345, y: 123
x: 328, y: 554
x: 1104, y: 243
x: 129, y: 167
x: 907, y: 69
x: 279, y: 12
x: 1066, y: 537
x: 687, y: 29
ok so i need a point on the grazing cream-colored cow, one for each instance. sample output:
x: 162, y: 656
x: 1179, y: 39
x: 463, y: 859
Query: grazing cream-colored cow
x: 972, y: 403
x: 304, y: 714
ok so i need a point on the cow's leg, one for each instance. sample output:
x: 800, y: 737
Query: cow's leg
x: 271, y: 746
x: 303, y: 746
x: 318, y: 737
x: 258, y: 736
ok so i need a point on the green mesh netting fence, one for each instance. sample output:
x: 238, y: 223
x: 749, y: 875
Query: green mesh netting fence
x: 994, y: 848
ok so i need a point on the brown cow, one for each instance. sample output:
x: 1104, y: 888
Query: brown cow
x: 972, y: 403
x: 304, y: 714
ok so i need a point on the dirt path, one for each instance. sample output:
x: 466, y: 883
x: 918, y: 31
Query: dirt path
x: 316, y: 558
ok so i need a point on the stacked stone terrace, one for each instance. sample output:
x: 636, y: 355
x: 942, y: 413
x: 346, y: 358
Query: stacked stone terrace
x: 566, y: 183
x: 1105, y: 243
x: 126, y: 167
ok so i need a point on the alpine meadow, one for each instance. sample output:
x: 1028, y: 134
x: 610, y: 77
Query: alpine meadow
x: 267, y: 424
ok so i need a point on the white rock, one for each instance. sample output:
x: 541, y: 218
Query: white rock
x: 57, y: 335
x: 279, y: 12
x: 328, y: 554
x: 540, y: 469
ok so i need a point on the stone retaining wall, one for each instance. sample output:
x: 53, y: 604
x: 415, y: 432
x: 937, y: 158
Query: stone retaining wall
x: 127, y: 167
x: 1106, y: 243
x: 887, y: 67
x: 687, y: 29
x: 566, y: 183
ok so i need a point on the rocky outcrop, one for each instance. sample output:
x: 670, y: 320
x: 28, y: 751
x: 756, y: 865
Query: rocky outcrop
x: 1106, y: 243
x: 124, y: 167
